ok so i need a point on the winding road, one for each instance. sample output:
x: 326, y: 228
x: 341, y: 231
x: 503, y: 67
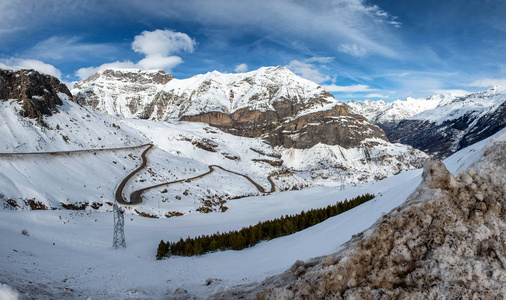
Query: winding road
x: 136, y: 198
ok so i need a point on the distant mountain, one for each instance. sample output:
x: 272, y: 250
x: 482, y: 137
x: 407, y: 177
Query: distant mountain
x: 388, y: 114
x: 454, y: 123
x: 272, y: 103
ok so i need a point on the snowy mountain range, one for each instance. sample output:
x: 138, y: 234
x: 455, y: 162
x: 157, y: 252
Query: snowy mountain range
x: 441, y: 124
x: 387, y: 114
x: 454, y: 124
x: 272, y: 103
x: 111, y: 146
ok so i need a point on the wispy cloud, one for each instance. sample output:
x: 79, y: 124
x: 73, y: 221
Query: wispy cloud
x: 488, y: 82
x: 353, y: 49
x: 58, y: 48
x: 333, y: 88
x: 377, y: 96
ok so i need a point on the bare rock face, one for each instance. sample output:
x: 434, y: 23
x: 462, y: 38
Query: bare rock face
x: 447, y: 241
x: 38, y: 94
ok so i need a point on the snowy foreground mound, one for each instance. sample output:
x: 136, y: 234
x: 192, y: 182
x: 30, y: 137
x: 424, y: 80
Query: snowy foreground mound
x: 446, y: 241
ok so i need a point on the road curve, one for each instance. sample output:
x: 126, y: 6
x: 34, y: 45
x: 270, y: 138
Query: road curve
x: 121, y: 186
x: 135, y: 197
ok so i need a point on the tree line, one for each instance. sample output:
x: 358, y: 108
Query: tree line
x: 250, y: 236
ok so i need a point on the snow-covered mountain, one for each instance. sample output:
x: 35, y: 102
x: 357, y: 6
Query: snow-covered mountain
x: 270, y: 102
x: 454, y: 123
x: 387, y: 114
x: 187, y: 147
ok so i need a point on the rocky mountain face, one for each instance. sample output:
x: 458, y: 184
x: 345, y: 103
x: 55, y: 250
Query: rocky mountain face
x: 272, y: 103
x: 446, y: 241
x: 453, y: 124
x: 38, y: 94
x: 125, y: 93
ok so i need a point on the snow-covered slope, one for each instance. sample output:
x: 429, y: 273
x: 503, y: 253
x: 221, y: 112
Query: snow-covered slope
x: 94, y: 269
x: 387, y: 114
x: 454, y: 124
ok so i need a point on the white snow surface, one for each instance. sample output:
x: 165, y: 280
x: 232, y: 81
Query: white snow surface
x: 93, y: 269
x: 381, y: 112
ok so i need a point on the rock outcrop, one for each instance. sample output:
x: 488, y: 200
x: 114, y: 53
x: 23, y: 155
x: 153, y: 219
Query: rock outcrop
x: 447, y: 241
x: 38, y: 94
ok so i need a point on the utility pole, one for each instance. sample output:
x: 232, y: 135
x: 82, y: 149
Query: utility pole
x: 118, y: 240
x: 342, y: 182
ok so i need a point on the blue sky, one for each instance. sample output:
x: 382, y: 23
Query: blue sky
x: 384, y: 49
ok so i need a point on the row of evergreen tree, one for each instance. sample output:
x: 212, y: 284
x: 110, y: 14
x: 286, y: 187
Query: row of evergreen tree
x: 249, y: 236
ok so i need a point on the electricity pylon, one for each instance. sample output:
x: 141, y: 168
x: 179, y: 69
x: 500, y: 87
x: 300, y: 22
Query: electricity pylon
x: 118, y: 240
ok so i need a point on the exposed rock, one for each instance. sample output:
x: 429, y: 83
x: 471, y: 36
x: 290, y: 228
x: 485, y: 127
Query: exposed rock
x: 38, y: 94
x: 441, y: 243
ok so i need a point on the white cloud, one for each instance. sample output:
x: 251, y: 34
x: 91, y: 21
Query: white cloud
x: 307, y: 71
x: 162, y: 42
x: 241, y: 68
x: 353, y: 49
x: 377, y: 96
x: 157, y: 46
x: 159, y: 62
x: 488, y: 82
x: 37, y: 65
x: 348, y: 88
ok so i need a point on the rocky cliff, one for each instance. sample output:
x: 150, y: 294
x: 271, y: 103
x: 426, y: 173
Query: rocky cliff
x: 272, y: 103
x: 446, y: 241
x: 38, y: 94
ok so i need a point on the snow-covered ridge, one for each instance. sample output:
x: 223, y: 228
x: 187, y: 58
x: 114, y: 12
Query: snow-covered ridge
x: 387, y: 114
x: 472, y: 105
x: 214, y: 91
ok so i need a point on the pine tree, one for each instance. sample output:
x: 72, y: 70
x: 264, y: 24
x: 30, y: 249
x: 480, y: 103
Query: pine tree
x: 162, y: 250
